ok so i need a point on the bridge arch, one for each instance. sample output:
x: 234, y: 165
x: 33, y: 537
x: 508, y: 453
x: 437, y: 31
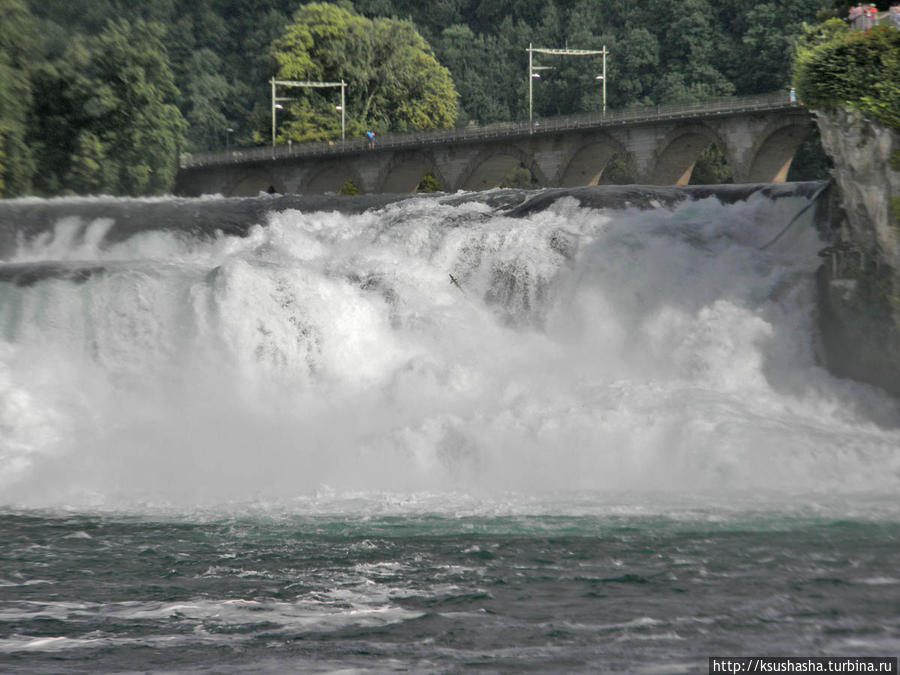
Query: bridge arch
x: 405, y: 172
x: 772, y: 155
x: 331, y: 177
x: 756, y: 136
x: 489, y: 167
x: 680, y: 151
x: 253, y: 181
x: 589, y: 160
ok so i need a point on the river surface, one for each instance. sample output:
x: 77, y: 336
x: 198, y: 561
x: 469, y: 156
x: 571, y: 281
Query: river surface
x: 560, y: 431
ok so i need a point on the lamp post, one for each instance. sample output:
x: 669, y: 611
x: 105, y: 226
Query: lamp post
x: 560, y: 52
x: 297, y: 83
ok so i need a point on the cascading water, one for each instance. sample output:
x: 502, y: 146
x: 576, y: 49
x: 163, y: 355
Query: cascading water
x: 564, y: 431
x: 583, y: 349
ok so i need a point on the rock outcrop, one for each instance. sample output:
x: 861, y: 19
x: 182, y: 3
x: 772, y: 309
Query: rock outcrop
x: 859, y: 282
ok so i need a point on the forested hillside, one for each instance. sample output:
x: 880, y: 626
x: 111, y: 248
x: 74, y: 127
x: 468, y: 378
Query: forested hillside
x: 95, y: 94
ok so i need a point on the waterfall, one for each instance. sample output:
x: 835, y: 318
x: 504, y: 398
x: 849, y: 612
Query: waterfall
x: 223, y: 351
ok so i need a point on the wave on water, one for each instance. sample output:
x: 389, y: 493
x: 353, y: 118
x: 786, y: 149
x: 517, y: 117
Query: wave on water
x: 203, y: 352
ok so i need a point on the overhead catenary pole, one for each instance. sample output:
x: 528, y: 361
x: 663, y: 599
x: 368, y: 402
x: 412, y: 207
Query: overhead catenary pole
x: 559, y: 52
x: 343, y: 125
x: 273, y: 113
x: 530, y: 88
x: 306, y: 83
x: 604, y: 51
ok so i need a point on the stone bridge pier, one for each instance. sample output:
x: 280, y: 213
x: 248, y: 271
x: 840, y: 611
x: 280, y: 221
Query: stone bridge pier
x: 758, y: 146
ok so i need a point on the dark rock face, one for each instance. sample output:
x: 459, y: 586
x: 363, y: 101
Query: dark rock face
x: 859, y: 282
x: 650, y: 196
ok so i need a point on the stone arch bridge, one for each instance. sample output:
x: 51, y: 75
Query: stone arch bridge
x: 757, y: 136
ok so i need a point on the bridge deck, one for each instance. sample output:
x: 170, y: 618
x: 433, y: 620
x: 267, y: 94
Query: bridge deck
x: 625, y: 116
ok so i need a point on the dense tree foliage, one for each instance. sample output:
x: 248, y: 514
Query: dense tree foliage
x: 836, y: 66
x: 105, y: 119
x: 16, y: 41
x: 69, y: 121
x: 394, y: 81
x: 661, y: 51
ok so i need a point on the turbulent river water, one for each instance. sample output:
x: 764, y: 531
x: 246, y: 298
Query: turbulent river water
x: 556, y: 431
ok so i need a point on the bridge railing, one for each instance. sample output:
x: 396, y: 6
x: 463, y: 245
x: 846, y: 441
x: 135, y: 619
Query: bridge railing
x: 631, y: 115
x: 880, y: 19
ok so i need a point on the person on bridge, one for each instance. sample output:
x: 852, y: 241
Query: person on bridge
x: 371, y: 136
x: 871, y: 16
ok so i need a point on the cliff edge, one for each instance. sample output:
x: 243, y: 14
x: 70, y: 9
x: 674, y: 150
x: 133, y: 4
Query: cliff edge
x: 859, y: 281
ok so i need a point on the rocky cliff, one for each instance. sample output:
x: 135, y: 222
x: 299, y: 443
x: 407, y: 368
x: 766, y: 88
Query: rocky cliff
x: 859, y: 282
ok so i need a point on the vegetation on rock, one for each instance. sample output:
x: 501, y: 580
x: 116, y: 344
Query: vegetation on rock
x: 349, y: 188
x: 860, y: 69
x: 429, y: 183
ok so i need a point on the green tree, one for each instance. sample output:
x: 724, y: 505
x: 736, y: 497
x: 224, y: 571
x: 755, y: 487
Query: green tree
x: 507, y: 76
x: 687, y: 49
x: 429, y: 183
x: 835, y: 66
x: 220, y: 52
x: 478, y: 62
x: 617, y: 171
x: 89, y: 168
x: 394, y: 81
x: 711, y: 168
x: 142, y: 127
x: 760, y: 59
x: 110, y: 115
x: 207, y: 92
x: 635, y: 68
x: 16, y: 41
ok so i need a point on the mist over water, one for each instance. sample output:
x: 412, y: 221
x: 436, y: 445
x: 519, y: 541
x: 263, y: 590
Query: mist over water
x: 326, y: 355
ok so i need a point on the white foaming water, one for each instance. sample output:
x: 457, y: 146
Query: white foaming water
x: 658, y: 350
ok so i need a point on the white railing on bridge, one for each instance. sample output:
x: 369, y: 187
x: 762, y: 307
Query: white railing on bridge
x: 636, y: 114
x: 863, y: 22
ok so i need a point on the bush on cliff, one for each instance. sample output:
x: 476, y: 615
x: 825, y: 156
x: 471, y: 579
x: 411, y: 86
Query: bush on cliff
x: 835, y: 66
